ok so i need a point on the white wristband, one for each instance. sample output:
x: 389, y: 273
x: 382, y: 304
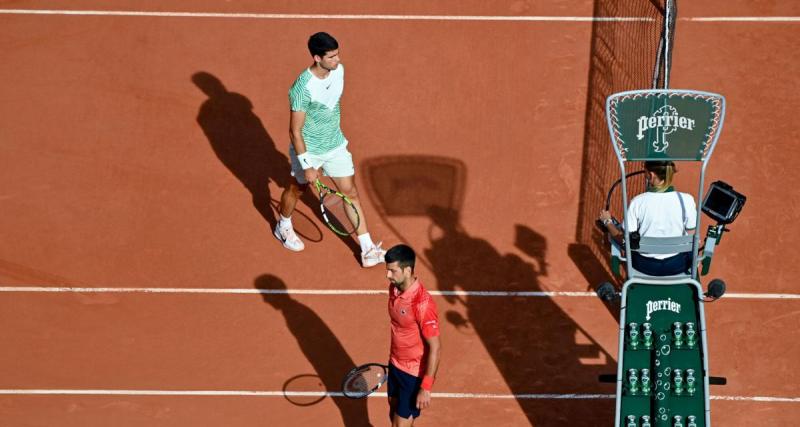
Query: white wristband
x: 303, y: 159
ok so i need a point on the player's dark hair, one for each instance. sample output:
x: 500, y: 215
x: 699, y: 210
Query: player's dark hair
x: 664, y: 170
x: 403, y: 255
x: 321, y: 43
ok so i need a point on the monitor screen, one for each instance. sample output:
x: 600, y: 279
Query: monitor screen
x: 719, y: 202
x: 723, y: 203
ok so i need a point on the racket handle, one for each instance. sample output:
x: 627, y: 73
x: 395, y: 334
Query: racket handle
x: 717, y: 380
x: 607, y: 378
x: 603, y: 227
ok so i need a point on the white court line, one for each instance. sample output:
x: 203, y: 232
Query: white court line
x: 344, y: 292
x: 757, y: 399
x: 256, y: 393
x: 323, y: 16
x: 288, y: 394
x: 135, y: 13
x: 285, y: 291
x: 742, y: 19
x: 761, y: 296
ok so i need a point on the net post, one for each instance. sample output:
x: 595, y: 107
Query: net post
x: 657, y: 68
x: 669, y: 21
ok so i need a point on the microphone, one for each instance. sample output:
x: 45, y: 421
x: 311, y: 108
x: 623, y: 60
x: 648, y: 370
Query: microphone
x: 716, y: 289
x: 607, y: 292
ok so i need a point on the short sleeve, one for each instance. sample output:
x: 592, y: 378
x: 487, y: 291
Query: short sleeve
x: 428, y: 318
x: 691, y: 211
x: 299, y: 97
x: 632, y: 217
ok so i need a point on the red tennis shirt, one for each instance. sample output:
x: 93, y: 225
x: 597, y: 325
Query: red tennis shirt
x: 413, y: 315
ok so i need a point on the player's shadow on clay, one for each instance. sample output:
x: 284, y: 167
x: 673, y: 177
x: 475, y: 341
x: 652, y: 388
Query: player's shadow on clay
x: 242, y: 143
x: 536, y: 345
x: 318, y: 344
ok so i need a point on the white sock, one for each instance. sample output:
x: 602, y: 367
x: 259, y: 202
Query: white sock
x: 365, y: 241
x: 285, y: 222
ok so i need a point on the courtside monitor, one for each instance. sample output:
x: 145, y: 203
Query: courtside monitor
x: 723, y: 203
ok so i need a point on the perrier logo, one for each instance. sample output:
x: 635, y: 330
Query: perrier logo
x: 667, y: 304
x: 665, y: 120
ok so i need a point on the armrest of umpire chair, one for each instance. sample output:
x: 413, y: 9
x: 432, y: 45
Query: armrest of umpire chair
x: 617, y: 249
x: 713, y: 237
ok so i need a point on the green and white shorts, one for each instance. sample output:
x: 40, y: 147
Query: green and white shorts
x: 337, y: 163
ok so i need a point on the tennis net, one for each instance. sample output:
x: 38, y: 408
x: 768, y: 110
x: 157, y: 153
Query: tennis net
x: 625, y: 55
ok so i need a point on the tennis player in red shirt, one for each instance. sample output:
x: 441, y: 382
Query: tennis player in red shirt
x: 414, y: 356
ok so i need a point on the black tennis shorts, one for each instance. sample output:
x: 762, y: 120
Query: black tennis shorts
x: 404, y: 388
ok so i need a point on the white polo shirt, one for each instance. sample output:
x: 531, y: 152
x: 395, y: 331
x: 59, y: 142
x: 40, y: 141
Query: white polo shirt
x: 660, y: 215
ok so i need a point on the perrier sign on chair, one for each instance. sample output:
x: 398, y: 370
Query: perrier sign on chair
x: 649, y: 125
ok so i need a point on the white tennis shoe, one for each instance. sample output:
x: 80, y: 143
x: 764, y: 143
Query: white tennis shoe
x: 289, y: 238
x: 373, y: 256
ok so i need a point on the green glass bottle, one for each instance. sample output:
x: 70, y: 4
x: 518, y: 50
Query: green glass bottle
x: 691, y: 335
x: 677, y: 334
x: 633, y: 382
x: 677, y: 382
x: 647, y: 336
x: 691, y: 384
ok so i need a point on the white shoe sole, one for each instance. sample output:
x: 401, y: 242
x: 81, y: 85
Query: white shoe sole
x: 368, y: 265
x: 283, y: 242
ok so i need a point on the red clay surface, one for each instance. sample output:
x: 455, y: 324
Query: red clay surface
x: 117, y: 170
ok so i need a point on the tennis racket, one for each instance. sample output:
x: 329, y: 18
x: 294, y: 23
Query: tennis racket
x: 338, y: 212
x: 364, y: 380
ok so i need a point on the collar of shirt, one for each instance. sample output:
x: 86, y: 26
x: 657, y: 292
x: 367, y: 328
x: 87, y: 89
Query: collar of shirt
x: 666, y: 190
x: 409, y: 292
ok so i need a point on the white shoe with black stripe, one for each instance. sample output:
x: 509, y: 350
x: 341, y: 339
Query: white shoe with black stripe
x: 373, y: 256
x: 288, y: 237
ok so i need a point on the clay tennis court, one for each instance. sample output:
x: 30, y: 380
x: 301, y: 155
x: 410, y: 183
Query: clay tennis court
x: 141, y: 151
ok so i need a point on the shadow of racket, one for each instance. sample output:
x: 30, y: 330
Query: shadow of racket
x: 304, y: 390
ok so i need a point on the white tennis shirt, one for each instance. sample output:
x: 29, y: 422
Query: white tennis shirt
x: 660, y: 215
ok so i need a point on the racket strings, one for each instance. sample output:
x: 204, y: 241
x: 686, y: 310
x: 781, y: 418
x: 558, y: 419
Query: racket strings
x: 364, y: 381
x: 358, y: 385
x: 340, y: 215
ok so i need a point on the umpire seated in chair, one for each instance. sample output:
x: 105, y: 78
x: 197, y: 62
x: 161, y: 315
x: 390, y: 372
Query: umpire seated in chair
x: 659, y: 222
